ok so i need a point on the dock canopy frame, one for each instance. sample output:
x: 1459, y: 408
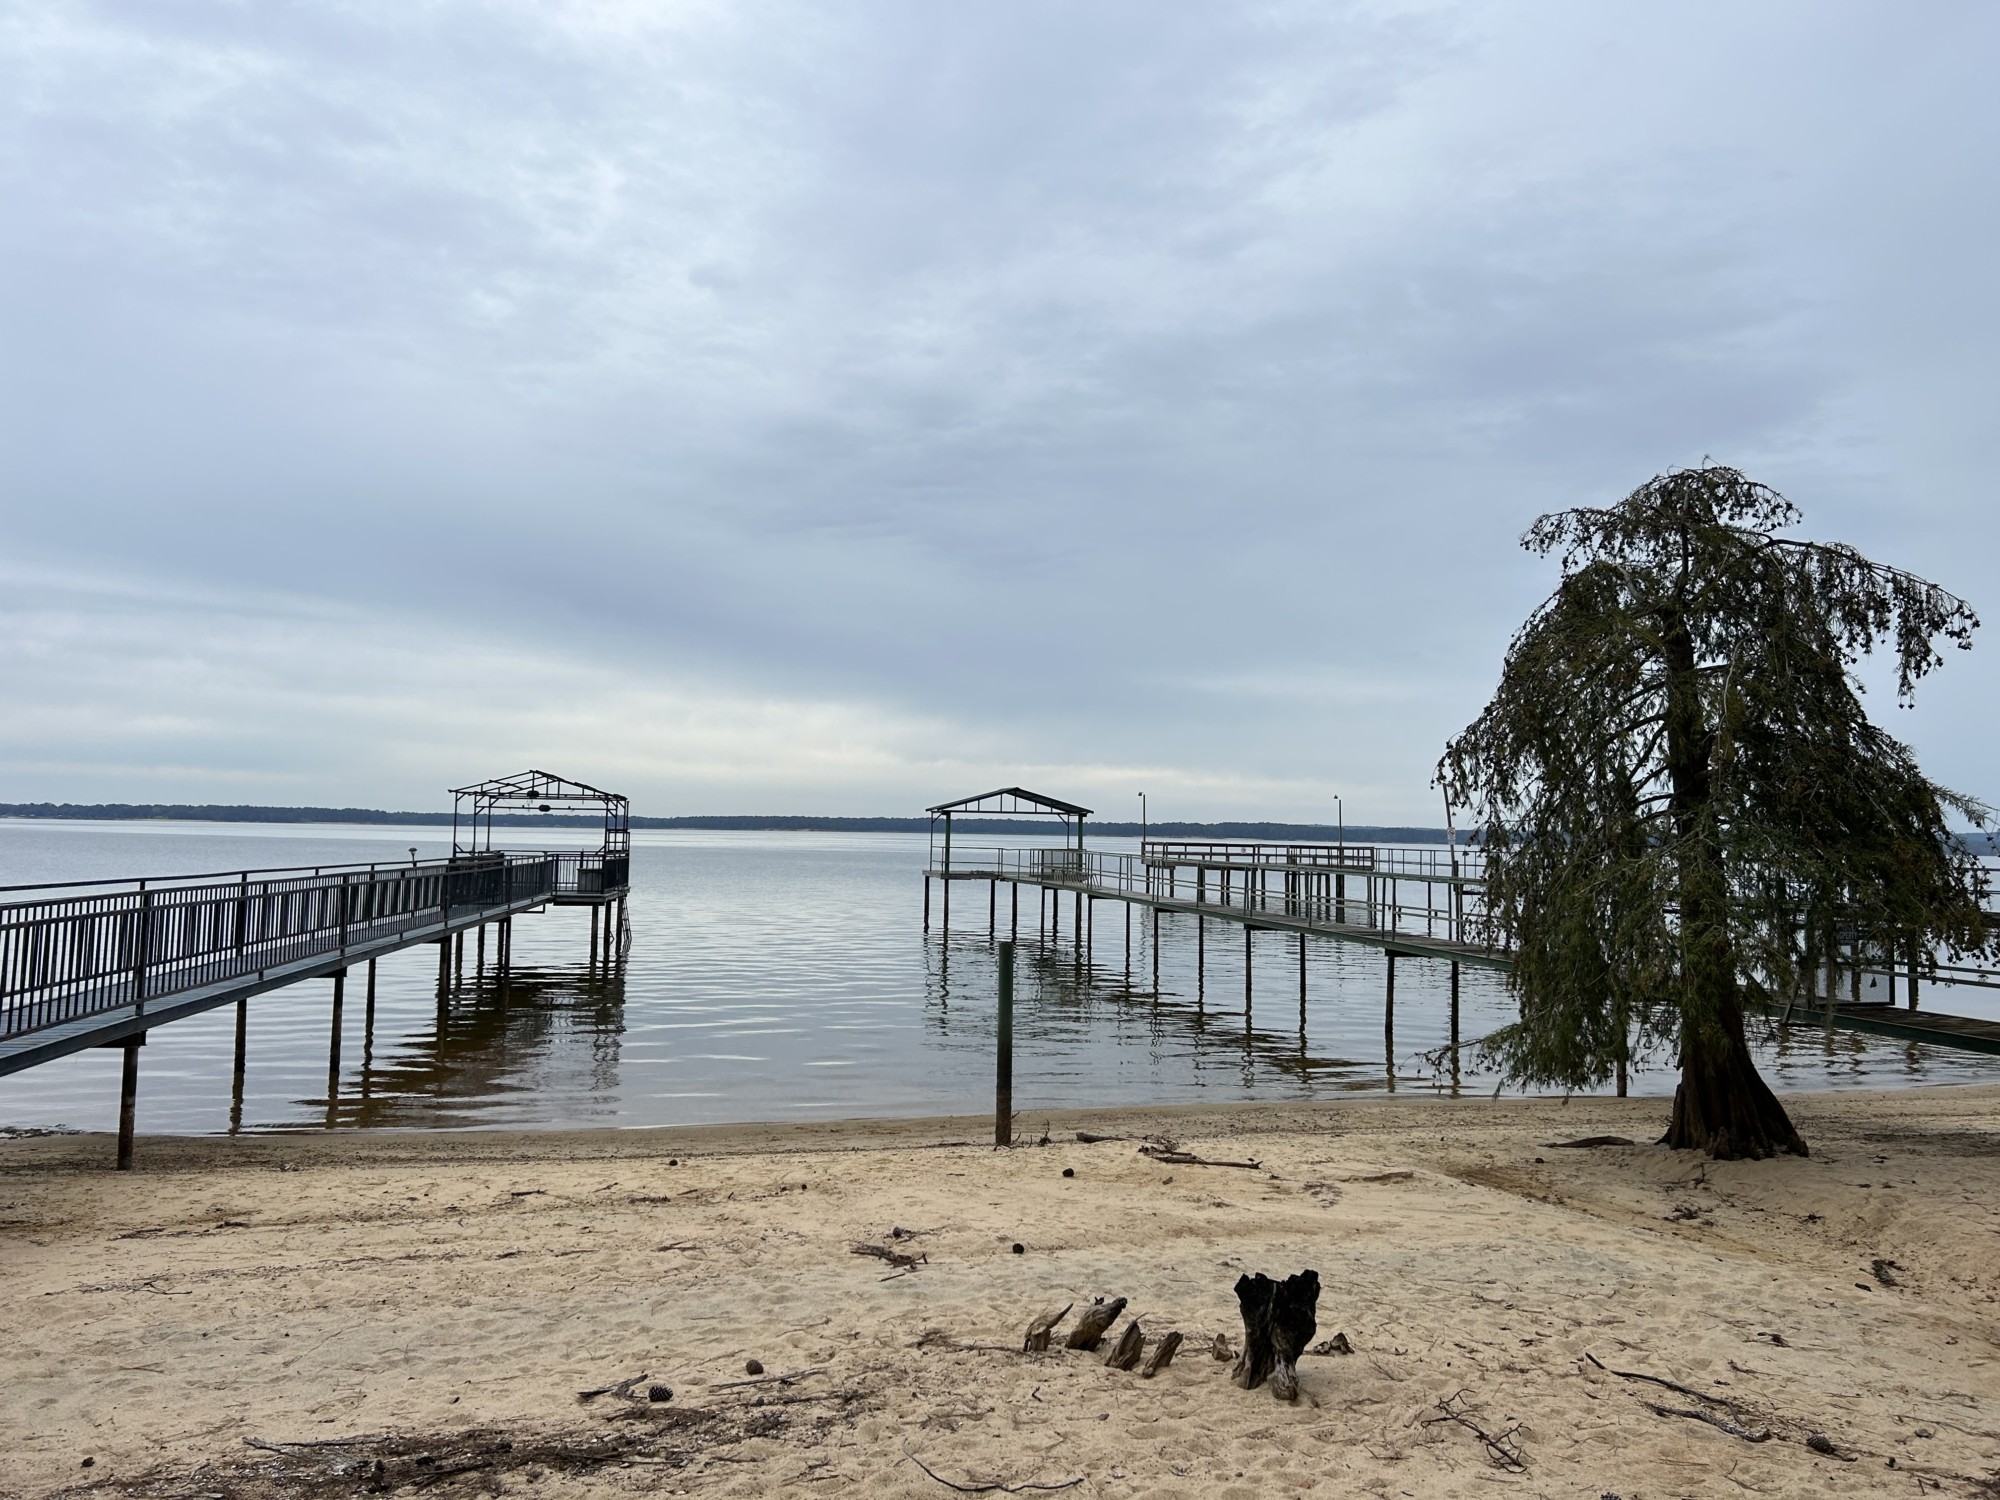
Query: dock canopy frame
x: 1007, y: 802
x: 472, y: 808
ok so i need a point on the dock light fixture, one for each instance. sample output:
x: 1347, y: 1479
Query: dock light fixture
x: 413, y: 854
x: 1142, y: 821
x: 1340, y: 810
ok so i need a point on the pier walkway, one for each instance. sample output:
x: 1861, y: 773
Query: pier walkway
x: 101, y: 963
x: 1405, y: 902
x: 91, y: 964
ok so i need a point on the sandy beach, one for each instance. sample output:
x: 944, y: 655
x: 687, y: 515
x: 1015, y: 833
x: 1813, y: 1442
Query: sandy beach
x: 344, y: 1315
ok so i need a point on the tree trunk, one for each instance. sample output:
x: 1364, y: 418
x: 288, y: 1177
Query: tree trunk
x: 1279, y: 1320
x: 1723, y: 1106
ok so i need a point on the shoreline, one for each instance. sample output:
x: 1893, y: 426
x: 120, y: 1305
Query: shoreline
x: 352, y: 1146
x: 433, y: 1300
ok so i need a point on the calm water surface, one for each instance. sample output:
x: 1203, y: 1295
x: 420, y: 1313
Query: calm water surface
x: 782, y: 975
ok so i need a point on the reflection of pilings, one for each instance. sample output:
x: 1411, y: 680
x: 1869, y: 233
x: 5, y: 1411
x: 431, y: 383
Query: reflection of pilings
x: 1050, y: 994
x: 486, y: 1032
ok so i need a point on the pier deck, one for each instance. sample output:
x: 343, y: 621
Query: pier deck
x: 1416, y: 903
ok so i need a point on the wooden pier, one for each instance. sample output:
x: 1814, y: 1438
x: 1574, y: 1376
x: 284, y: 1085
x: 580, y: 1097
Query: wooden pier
x: 102, y: 963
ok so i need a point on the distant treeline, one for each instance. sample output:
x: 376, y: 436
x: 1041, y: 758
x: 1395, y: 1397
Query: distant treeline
x: 1356, y: 833
x: 210, y: 813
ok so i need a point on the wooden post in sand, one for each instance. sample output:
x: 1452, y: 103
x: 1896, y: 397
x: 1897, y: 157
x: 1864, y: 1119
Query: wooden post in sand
x: 1003, y: 1061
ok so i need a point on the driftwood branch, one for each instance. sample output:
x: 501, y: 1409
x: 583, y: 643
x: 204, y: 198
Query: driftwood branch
x: 1172, y: 1157
x: 735, y: 1385
x: 616, y: 1388
x: 1503, y: 1447
x: 994, y: 1486
x: 1668, y: 1385
x: 1698, y: 1414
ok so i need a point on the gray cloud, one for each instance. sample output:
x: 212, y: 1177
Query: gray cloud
x: 1122, y: 392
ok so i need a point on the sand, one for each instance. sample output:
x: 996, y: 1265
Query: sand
x: 437, y: 1296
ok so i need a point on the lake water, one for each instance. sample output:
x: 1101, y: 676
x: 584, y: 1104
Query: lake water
x: 787, y: 976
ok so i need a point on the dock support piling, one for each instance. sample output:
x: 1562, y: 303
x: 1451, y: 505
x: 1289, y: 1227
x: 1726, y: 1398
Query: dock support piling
x: 1247, y: 930
x: 236, y: 1068
x: 1003, y: 1060
x: 368, y: 1030
x: 1013, y: 911
x: 479, y: 960
x: 444, y: 967
x: 1389, y: 1022
x: 927, y: 901
x: 1302, y: 979
x: 992, y: 909
x: 1128, y: 945
x: 1156, y: 955
x: 128, y: 1099
x: 593, y: 937
x: 333, y: 1040
x: 1913, y: 973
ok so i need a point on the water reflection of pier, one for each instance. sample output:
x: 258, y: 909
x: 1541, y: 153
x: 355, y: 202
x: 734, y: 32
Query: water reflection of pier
x: 503, y: 1030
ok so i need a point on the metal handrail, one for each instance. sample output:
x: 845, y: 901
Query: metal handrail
x: 66, y: 957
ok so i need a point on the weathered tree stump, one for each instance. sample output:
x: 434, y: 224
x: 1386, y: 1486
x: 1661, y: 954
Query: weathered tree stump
x: 1038, y: 1331
x: 1278, y: 1322
x: 1125, y: 1353
x: 1163, y: 1355
x: 1091, y: 1323
x: 1220, y: 1351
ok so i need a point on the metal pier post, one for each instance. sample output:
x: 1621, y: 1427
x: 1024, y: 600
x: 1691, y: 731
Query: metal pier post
x: 1013, y: 911
x: 128, y: 1099
x: 368, y: 1031
x: 992, y: 909
x: 236, y: 1069
x: 1389, y: 1022
x: 1156, y: 955
x: 333, y: 1040
x: 1200, y: 957
x: 1302, y: 979
x: 1247, y: 930
x: 1003, y: 1060
x: 927, y: 901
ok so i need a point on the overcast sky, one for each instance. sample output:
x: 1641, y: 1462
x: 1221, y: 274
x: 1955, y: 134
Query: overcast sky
x: 778, y: 408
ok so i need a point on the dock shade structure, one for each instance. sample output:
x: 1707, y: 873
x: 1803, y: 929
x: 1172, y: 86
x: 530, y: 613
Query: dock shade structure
x: 597, y: 878
x: 1007, y: 802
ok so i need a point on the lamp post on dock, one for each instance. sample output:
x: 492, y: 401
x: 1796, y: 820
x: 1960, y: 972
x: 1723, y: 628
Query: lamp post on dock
x: 1142, y: 822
